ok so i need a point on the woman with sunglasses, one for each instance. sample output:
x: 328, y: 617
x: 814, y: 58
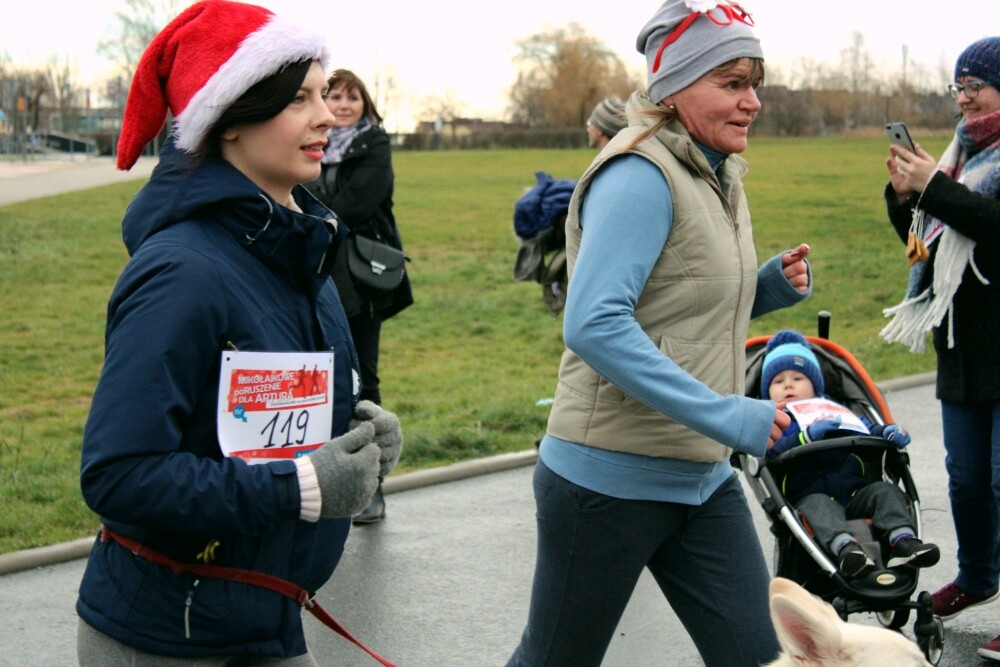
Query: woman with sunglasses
x: 949, y: 211
x: 634, y: 470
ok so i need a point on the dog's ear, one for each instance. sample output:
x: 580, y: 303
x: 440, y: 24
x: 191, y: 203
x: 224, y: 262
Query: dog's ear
x: 806, y: 627
x: 805, y: 599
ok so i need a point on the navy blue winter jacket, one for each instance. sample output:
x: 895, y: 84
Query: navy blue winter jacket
x: 215, y: 265
x: 837, y: 473
x: 541, y: 206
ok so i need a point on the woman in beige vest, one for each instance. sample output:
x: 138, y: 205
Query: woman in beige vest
x: 634, y: 469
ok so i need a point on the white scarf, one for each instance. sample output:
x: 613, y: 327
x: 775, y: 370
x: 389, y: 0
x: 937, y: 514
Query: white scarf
x: 974, y: 154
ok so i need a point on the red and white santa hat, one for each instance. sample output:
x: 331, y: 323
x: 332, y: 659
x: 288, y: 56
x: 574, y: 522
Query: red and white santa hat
x: 201, y: 63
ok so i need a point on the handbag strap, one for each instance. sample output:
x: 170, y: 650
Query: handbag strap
x: 270, y: 582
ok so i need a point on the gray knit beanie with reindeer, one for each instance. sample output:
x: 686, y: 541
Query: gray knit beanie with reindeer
x: 686, y: 39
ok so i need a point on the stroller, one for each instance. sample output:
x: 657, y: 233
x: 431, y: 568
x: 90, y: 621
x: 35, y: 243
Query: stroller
x: 797, y: 555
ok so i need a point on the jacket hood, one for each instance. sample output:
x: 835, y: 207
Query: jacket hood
x: 179, y: 190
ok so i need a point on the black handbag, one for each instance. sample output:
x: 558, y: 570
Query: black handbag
x: 375, y: 264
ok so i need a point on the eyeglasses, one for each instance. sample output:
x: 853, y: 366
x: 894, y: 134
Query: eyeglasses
x: 970, y: 88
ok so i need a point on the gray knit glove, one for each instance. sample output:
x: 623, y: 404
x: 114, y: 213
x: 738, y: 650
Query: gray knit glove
x: 388, y: 433
x: 347, y: 470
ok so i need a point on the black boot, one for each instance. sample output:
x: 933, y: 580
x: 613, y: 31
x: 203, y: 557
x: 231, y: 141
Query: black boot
x: 375, y: 511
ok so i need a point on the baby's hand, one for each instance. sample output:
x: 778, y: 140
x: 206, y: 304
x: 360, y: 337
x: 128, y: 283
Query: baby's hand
x: 896, y: 435
x: 822, y: 428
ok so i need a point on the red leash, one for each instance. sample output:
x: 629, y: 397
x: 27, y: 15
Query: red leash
x: 276, y: 584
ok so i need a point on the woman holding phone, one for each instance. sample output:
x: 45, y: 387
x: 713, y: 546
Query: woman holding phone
x: 948, y: 212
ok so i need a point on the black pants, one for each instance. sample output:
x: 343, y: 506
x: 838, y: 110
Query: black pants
x: 366, y: 328
x: 592, y: 548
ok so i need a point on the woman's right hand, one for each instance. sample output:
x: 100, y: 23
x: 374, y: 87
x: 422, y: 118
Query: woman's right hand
x: 909, y: 172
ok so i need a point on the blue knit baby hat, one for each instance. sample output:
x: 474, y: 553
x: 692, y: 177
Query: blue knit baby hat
x: 789, y: 350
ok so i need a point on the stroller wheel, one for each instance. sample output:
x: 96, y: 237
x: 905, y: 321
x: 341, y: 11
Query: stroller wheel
x: 932, y: 642
x: 893, y: 619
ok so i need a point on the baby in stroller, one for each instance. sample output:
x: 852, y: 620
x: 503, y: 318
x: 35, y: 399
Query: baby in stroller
x: 833, y: 487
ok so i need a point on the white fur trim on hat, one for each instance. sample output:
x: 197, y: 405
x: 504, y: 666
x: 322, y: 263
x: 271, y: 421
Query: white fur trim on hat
x: 264, y: 52
x: 202, y: 62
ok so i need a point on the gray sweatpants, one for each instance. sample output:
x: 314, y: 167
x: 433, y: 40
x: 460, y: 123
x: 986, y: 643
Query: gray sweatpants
x: 885, y: 503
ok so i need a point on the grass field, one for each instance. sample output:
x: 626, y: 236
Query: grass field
x: 464, y: 367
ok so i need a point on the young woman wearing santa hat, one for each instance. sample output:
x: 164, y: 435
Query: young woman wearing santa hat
x: 209, y: 520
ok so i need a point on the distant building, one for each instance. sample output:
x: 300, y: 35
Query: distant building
x: 463, y: 127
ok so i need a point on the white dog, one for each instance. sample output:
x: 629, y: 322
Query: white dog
x: 813, y: 635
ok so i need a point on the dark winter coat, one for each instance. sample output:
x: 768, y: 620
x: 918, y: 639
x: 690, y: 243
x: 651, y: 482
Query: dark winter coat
x: 835, y: 473
x: 215, y: 264
x: 543, y: 205
x: 970, y: 371
x: 359, y: 190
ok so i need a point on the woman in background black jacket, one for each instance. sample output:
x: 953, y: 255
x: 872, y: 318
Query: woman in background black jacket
x: 952, y: 206
x: 356, y: 183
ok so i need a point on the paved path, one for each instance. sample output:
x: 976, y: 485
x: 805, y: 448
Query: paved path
x: 22, y: 181
x: 444, y: 580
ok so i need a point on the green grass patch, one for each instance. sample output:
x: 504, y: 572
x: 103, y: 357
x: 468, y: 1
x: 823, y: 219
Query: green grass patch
x: 466, y: 365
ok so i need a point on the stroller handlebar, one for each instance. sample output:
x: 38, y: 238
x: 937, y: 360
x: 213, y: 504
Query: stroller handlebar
x: 754, y: 464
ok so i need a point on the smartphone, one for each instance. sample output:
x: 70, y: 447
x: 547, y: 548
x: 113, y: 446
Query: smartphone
x: 900, y: 136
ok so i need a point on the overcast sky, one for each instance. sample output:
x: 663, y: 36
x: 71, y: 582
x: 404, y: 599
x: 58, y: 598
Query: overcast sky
x: 464, y: 48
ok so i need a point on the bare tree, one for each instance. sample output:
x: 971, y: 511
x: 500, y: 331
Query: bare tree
x: 443, y: 110
x: 383, y: 90
x: 448, y: 107
x: 136, y: 26
x: 32, y: 88
x: 67, y: 95
x: 563, y: 74
x: 22, y: 93
x: 858, y: 65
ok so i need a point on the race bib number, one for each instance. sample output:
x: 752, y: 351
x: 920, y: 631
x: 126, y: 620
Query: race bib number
x: 274, y: 405
x: 809, y: 410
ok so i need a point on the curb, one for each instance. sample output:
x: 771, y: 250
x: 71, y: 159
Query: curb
x: 27, y: 559
x: 907, y: 382
x: 457, y: 471
x: 17, y: 561
x: 58, y: 553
